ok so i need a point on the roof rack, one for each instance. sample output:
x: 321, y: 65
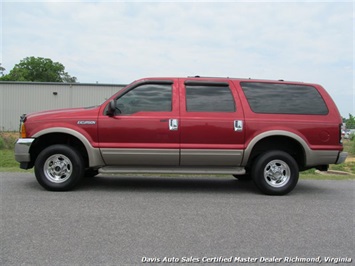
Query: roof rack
x: 197, y: 76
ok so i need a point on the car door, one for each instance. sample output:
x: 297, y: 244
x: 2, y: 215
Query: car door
x: 143, y: 130
x: 211, y: 124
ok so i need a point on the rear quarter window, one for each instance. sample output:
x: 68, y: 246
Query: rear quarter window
x: 277, y: 98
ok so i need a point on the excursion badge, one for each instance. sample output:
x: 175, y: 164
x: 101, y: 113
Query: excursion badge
x: 86, y: 122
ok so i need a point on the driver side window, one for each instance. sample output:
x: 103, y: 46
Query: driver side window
x: 146, y: 98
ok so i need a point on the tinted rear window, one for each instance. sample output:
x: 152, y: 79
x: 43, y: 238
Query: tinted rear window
x: 284, y: 98
x: 209, y: 99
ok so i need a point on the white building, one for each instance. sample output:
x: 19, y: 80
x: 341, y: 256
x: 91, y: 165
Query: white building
x: 18, y: 98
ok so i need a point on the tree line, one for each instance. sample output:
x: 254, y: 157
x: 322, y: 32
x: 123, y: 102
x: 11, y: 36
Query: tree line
x: 37, y: 69
x: 349, y: 122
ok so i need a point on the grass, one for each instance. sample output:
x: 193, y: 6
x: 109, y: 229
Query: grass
x: 7, y: 140
x: 311, y: 174
x: 8, y: 163
x: 345, y: 167
x: 7, y: 159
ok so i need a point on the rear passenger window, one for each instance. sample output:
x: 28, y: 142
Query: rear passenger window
x: 209, y: 98
x: 284, y: 98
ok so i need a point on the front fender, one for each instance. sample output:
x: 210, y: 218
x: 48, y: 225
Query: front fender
x: 94, y: 154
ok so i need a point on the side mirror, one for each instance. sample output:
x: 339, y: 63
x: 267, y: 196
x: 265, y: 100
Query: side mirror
x: 111, y: 108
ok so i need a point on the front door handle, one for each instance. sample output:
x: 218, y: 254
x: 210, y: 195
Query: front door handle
x: 238, y: 125
x: 173, y: 124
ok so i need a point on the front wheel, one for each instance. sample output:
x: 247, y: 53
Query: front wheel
x: 275, y: 173
x: 59, y: 168
x: 91, y: 172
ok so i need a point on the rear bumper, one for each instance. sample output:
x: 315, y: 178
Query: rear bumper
x: 342, y: 157
x: 22, y: 150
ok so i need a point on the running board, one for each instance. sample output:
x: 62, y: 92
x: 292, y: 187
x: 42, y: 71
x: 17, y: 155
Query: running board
x: 172, y: 170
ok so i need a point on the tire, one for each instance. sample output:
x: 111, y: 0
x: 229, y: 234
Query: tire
x: 91, y: 173
x: 59, y: 168
x: 245, y: 177
x: 275, y: 173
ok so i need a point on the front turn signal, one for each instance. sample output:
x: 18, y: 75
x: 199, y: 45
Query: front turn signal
x: 23, y: 131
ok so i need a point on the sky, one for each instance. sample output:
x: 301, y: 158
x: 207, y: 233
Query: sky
x: 117, y: 42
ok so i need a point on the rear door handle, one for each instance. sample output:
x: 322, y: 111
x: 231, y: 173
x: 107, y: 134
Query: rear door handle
x: 238, y: 125
x: 173, y: 124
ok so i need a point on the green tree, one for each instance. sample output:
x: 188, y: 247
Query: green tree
x: 39, y: 69
x: 1, y: 71
x: 350, y: 122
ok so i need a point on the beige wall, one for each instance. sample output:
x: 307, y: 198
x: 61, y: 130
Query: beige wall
x: 17, y: 98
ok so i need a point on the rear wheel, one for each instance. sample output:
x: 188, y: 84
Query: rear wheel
x: 275, y: 173
x: 59, y: 167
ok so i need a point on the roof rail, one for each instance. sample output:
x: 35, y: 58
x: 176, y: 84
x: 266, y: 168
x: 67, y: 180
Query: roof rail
x: 197, y: 76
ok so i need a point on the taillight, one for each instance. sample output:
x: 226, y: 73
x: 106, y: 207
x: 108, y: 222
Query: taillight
x: 340, y: 135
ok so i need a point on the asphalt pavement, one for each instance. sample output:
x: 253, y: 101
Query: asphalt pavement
x: 130, y: 220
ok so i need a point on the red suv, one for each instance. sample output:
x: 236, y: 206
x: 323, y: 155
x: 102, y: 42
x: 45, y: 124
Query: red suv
x: 264, y: 130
